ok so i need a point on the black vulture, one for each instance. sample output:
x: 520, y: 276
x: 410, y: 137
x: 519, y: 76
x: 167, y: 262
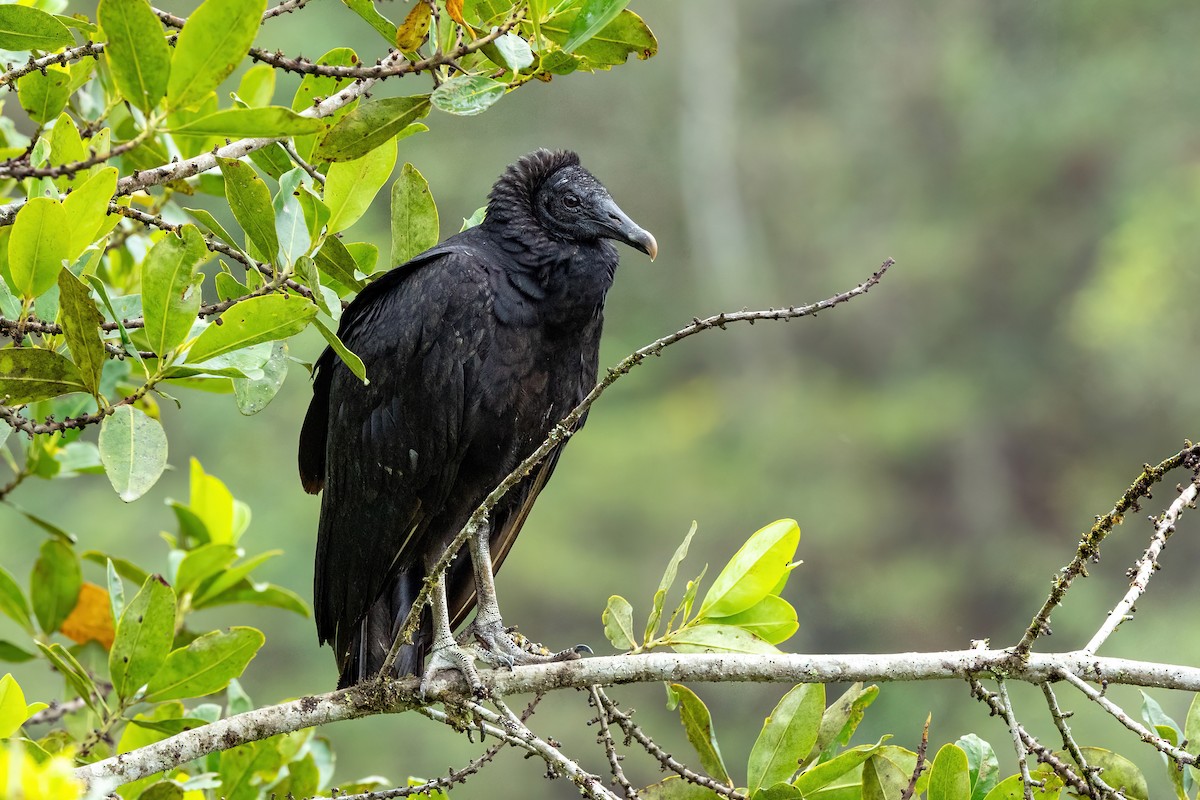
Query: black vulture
x: 474, y: 350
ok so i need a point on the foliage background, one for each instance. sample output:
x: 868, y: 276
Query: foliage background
x: 1032, y: 167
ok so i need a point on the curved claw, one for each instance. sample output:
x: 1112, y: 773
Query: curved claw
x: 499, y: 647
x: 455, y: 658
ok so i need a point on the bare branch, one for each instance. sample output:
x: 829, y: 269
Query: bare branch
x: 1089, y: 545
x: 1097, y: 787
x: 67, y: 56
x: 1145, y: 566
x: 1010, y: 717
x: 605, y: 737
x: 568, y: 425
x: 663, y: 757
x: 1148, y: 736
x: 395, y: 696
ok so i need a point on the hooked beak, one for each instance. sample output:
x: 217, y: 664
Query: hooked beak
x: 621, y: 228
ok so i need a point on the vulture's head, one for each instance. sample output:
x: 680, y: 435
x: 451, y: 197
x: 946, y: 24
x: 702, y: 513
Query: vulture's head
x: 551, y: 189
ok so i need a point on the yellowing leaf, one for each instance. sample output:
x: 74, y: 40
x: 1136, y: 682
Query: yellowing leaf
x: 411, y: 34
x: 91, y: 619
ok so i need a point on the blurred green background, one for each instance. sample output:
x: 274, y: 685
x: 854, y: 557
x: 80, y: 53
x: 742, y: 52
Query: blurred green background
x: 1035, y: 170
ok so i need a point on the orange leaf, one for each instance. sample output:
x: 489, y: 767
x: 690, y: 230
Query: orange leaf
x: 91, y: 619
x: 455, y: 8
x: 412, y: 33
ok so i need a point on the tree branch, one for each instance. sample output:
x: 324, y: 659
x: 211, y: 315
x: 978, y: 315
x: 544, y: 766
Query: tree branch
x: 396, y: 696
x: 1146, y: 565
x: 1089, y: 545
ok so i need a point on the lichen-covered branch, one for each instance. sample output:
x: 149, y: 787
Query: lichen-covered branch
x: 394, y: 696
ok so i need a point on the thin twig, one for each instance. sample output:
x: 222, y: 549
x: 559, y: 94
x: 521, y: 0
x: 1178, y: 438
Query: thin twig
x: 568, y: 425
x: 1089, y: 545
x: 634, y: 732
x: 1148, y: 736
x: 1010, y: 717
x: 558, y: 764
x: 1044, y: 754
x: 90, y: 49
x: 605, y: 738
x: 1097, y: 787
x: 304, y: 165
x: 1145, y: 566
x: 922, y: 748
x: 286, y: 7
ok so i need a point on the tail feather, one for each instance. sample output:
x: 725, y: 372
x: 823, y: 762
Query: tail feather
x: 368, y: 647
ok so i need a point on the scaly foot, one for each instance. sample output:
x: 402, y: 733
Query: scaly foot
x: 499, y: 646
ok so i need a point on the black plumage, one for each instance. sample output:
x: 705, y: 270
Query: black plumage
x: 473, y: 350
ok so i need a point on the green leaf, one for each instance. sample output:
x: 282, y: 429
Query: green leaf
x: 143, y: 639
x: 337, y: 262
x: 618, y: 623
x: 1012, y: 788
x: 258, y: 594
x: 716, y: 639
x: 255, y: 394
x: 1119, y: 772
x: 74, y: 673
x: 171, y: 288
x: 841, y: 719
x: 698, y: 725
x: 883, y: 779
x: 133, y: 449
x: 787, y: 736
x: 213, y: 42
x: 350, y: 186
x: 24, y: 28
x: 232, y: 577
x: 116, y: 588
x: 515, y: 51
x: 81, y: 328
x: 982, y: 765
x: 87, y: 209
x: 821, y: 775
x: 54, y: 585
x: 771, y: 619
x: 250, y: 200
x: 382, y: 25
x: 676, y: 788
x: 474, y: 219
x: 414, y: 215
x: 1191, y: 725
x: 13, y: 711
x: 271, y: 121
x: 290, y: 226
x: 753, y: 571
x: 347, y: 356
x: 12, y: 601
x: 626, y: 35
x: 125, y: 568
x: 137, y: 52
x: 44, y: 95
x: 257, y: 86
x: 258, y: 319
x: 949, y: 778
x: 206, y: 665
x: 593, y: 17
x: 40, y: 241
x: 314, y: 88
x: 467, y: 95
x: 664, y: 585
x: 203, y: 563
x: 372, y: 125
x: 12, y: 654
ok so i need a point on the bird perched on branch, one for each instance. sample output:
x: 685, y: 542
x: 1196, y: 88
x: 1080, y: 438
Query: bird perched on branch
x: 474, y: 350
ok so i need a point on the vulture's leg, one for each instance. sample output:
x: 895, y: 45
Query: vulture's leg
x: 445, y: 653
x: 496, y: 644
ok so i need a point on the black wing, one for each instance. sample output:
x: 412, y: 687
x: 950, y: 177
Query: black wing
x: 387, y: 453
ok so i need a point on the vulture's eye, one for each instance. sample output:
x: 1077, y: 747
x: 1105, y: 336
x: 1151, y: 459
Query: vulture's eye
x: 571, y: 201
